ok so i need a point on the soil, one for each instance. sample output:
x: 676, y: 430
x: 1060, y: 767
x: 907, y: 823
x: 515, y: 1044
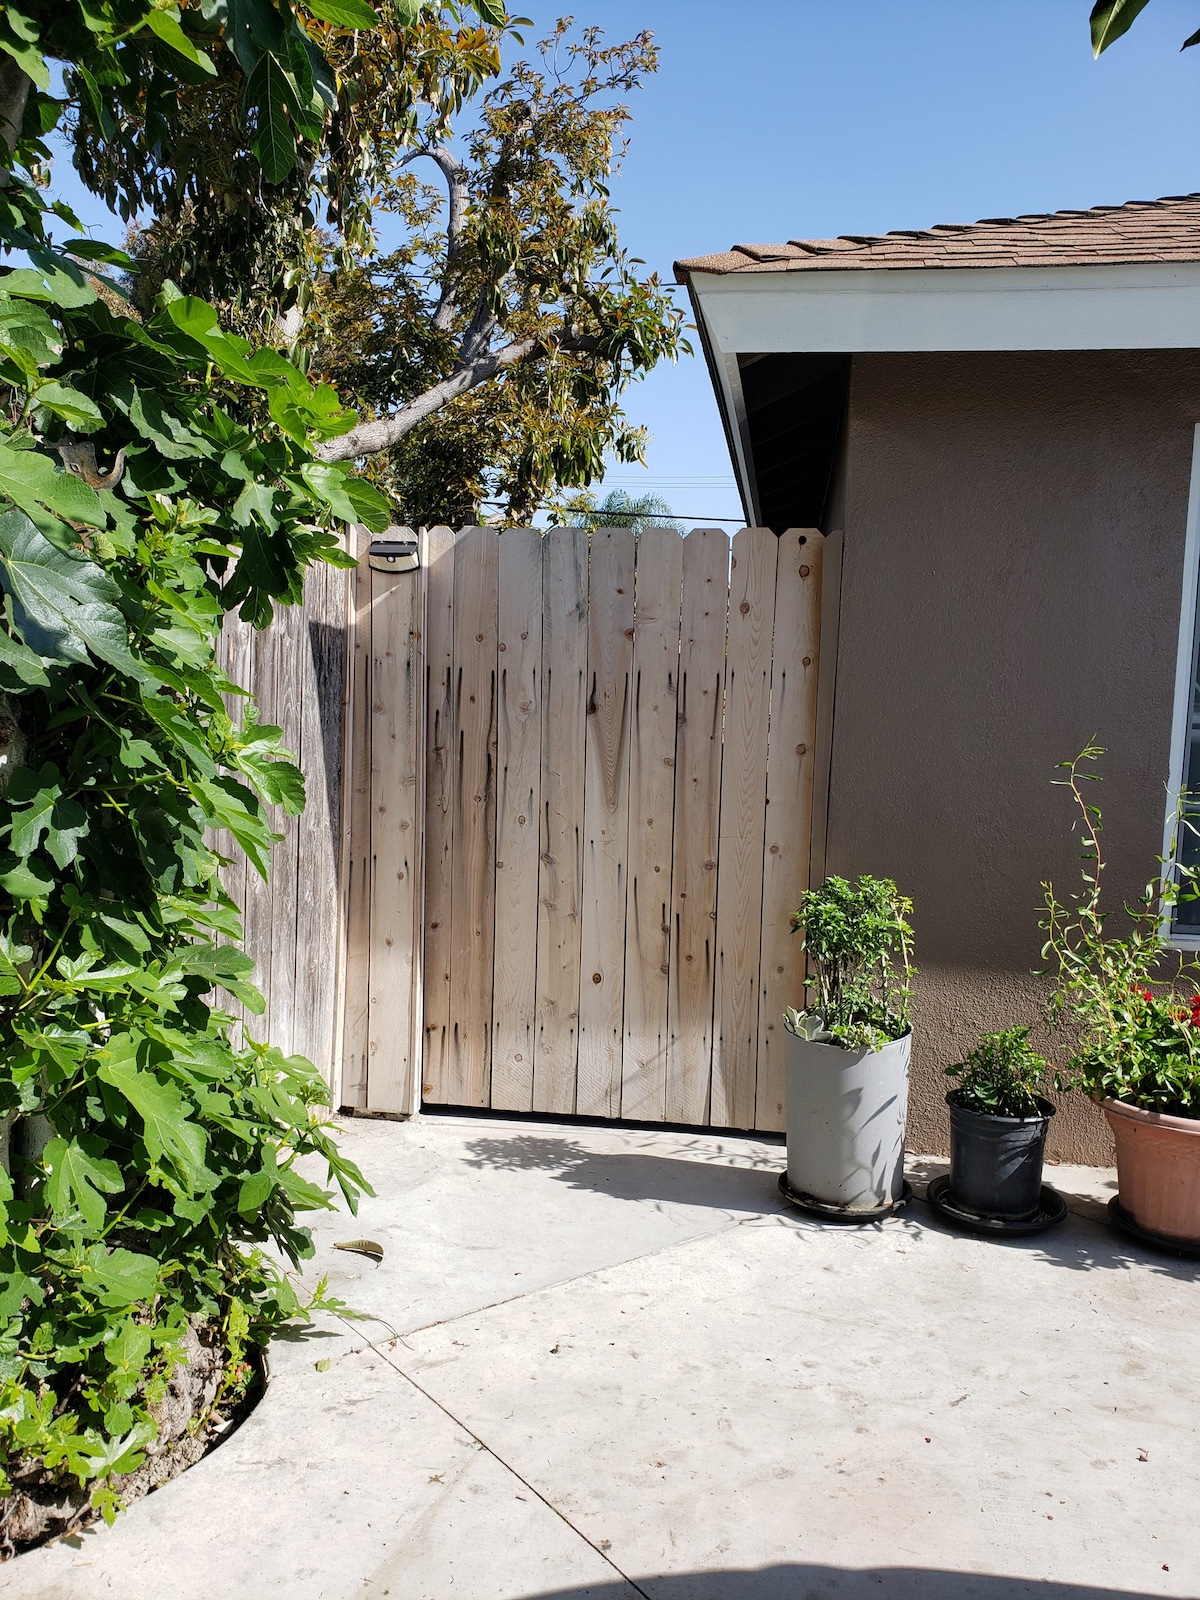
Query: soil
x: 39, y: 1508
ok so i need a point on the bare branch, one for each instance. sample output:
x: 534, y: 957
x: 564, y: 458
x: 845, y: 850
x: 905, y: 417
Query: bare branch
x: 381, y: 433
x: 455, y: 175
x: 478, y: 335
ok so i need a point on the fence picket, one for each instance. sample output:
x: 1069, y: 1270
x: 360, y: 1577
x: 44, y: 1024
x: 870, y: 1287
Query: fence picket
x: 439, y: 842
x: 697, y: 798
x: 258, y: 905
x: 605, y: 821
x: 396, y: 719
x: 743, y: 820
x: 789, y: 804
x: 356, y: 857
x: 319, y: 665
x: 653, y: 708
x: 518, y: 800
x: 472, y: 911
x: 282, y: 706
x: 564, y: 668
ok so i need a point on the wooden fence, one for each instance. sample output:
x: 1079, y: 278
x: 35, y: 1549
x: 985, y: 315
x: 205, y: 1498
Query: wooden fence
x: 575, y: 820
x: 296, y: 669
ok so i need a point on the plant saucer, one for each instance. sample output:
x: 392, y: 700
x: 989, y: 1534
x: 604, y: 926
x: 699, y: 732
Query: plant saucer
x: 1051, y: 1211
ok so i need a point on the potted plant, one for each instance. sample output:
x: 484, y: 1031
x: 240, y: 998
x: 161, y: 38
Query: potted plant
x: 848, y: 1051
x: 998, y: 1123
x: 1133, y: 1004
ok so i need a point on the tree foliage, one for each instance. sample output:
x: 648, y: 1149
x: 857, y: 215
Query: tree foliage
x: 148, y: 1154
x: 490, y: 346
x: 274, y: 119
x: 618, y: 509
x: 1111, y: 19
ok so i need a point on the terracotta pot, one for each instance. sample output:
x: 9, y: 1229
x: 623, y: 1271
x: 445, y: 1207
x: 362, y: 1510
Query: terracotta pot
x: 1158, y: 1169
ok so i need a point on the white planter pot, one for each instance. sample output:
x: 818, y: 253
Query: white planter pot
x: 846, y: 1111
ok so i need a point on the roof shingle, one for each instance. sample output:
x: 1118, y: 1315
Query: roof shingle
x: 1141, y: 230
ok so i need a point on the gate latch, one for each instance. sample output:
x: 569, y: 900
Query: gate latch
x: 393, y: 555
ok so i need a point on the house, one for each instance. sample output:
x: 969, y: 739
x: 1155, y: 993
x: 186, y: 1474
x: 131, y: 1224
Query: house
x: 995, y: 426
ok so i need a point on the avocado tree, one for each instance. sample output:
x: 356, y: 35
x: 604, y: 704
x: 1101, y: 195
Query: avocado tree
x: 490, y: 345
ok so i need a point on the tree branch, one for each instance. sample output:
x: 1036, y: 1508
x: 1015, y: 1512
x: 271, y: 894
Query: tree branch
x: 455, y: 175
x: 381, y: 433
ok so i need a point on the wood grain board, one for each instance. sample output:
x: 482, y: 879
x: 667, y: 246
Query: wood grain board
x: 697, y: 821
x: 560, y: 886
x: 292, y: 923
x: 518, y: 802
x: 742, y: 825
x: 605, y: 822
x: 396, y: 824
x: 356, y: 846
x: 789, y: 808
x: 473, y: 810
x: 655, y: 677
x: 438, y: 572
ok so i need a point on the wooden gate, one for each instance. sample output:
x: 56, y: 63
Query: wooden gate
x: 601, y: 748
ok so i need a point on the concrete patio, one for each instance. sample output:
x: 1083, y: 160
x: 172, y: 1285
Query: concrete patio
x: 608, y: 1363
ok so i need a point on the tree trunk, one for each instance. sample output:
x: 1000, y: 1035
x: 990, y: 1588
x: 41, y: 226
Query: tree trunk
x: 14, y: 93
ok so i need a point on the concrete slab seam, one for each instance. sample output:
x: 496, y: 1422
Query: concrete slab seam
x: 511, y: 1470
x: 781, y: 1214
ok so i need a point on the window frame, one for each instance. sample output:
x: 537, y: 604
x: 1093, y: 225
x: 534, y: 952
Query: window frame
x: 1186, y: 665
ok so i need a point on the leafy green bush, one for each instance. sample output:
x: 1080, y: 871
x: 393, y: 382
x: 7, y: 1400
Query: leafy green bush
x: 859, y: 944
x: 1131, y: 1003
x: 150, y: 1183
x: 1000, y: 1076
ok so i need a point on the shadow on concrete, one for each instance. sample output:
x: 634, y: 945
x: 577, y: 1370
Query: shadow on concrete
x: 696, y: 1176
x: 800, y: 1581
x: 1083, y: 1243
x: 698, y: 1173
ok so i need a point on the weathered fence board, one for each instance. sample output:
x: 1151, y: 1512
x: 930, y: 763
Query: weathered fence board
x: 473, y: 810
x: 697, y: 814
x: 292, y: 924
x: 518, y: 802
x: 321, y: 651
x: 742, y: 825
x: 605, y: 821
x: 564, y: 705
x: 789, y: 816
x: 356, y: 847
x: 439, y: 768
x: 396, y: 823
x: 651, y: 823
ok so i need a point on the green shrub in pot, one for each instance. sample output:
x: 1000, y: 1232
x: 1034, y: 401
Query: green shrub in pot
x: 848, y: 1050
x: 859, y: 944
x: 1000, y: 1077
x: 998, y: 1125
x: 1130, y: 1005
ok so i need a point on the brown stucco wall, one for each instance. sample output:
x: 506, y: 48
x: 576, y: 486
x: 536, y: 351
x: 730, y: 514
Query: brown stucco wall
x: 1014, y: 530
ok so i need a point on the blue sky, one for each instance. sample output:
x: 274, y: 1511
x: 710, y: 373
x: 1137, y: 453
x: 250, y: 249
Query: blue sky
x: 810, y: 118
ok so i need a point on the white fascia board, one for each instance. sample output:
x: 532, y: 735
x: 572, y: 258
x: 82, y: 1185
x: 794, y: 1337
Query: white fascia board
x: 1154, y: 306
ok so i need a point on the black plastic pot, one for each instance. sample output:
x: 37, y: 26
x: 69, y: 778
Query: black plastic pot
x: 996, y: 1162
